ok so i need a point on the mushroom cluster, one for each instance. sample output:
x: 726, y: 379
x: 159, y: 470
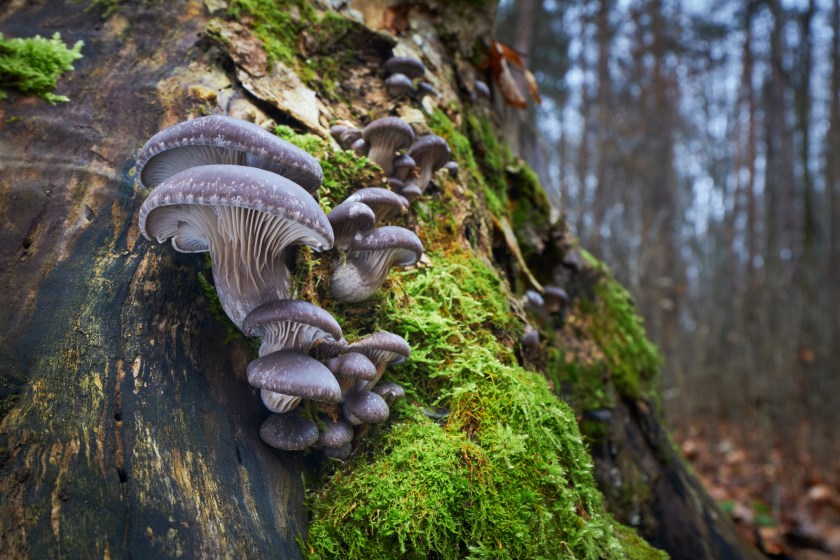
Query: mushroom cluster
x: 226, y: 186
x: 404, y: 77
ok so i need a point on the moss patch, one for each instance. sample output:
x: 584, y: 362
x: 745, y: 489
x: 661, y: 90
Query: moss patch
x: 503, y: 474
x: 34, y: 65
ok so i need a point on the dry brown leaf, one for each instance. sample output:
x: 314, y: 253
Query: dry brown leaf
x: 507, y: 86
x: 395, y: 18
x: 533, y: 88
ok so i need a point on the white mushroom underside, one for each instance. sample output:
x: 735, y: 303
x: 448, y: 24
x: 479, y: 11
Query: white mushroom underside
x: 359, y: 276
x: 278, y: 402
x: 246, y: 247
x: 285, y: 335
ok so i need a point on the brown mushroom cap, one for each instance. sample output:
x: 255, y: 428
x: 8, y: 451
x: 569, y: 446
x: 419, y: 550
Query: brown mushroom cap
x: 384, y: 203
x: 358, y: 276
x: 386, y: 136
x: 218, y: 139
x: 411, y: 67
x: 290, y: 324
x: 365, y: 407
x: 290, y: 432
x: 431, y: 152
x: 246, y: 218
x: 294, y: 374
x: 349, y: 220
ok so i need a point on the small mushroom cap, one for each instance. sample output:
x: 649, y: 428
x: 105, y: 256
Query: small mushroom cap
x: 411, y: 192
x: 403, y: 164
x: 342, y: 452
x: 403, y: 246
x: 348, y: 220
x: 295, y: 374
x: 290, y: 432
x: 290, y: 324
x: 353, y: 365
x: 411, y: 67
x: 360, y: 146
x: 431, y: 150
x: 534, y: 299
x: 386, y: 136
x: 218, y: 139
x: 481, y: 89
x: 396, y: 184
x: 424, y: 89
x: 531, y: 339
x: 384, y: 203
x: 555, y: 297
x: 389, y: 391
x: 452, y: 167
x: 336, y: 434
x: 365, y: 407
x: 383, y: 348
x: 398, y: 84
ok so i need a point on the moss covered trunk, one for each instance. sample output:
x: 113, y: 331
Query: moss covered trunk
x: 127, y: 426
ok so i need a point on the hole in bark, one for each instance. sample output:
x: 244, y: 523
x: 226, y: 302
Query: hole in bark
x: 123, y: 476
x: 117, y: 415
x: 238, y: 455
x: 27, y: 243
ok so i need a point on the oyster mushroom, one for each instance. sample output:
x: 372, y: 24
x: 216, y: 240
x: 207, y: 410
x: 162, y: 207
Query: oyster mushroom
x: 398, y: 84
x: 293, y: 376
x: 349, y: 220
x: 246, y: 218
x: 365, y: 407
x: 386, y: 136
x: 408, y: 66
x: 290, y: 432
x: 350, y: 368
x: 358, y: 276
x: 402, y: 166
x: 383, y: 349
x: 218, y: 139
x: 389, y: 391
x: 431, y: 152
x: 384, y: 203
x: 336, y: 433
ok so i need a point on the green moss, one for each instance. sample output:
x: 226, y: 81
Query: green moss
x: 611, y: 319
x: 505, y: 475
x: 493, y: 156
x: 276, y: 23
x: 34, y: 64
x: 530, y: 210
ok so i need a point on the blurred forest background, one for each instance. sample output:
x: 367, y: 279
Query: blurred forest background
x: 692, y: 146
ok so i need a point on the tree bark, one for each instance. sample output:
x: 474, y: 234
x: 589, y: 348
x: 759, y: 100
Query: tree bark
x: 127, y: 427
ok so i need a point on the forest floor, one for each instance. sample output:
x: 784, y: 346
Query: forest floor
x: 782, y: 504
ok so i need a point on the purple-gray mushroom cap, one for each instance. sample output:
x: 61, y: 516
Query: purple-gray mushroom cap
x: 386, y: 136
x: 384, y: 203
x: 349, y: 220
x: 431, y: 152
x: 411, y: 67
x: 291, y: 373
x: 218, y: 139
x: 290, y: 324
x: 289, y: 432
x: 365, y: 407
x: 398, y: 84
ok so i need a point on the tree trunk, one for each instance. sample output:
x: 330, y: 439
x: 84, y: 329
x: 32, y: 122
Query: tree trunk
x: 127, y: 426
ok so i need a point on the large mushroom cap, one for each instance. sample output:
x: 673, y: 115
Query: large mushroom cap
x: 246, y: 217
x: 290, y: 432
x: 350, y: 219
x: 357, y: 277
x: 384, y: 203
x: 290, y: 324
x: 224, y: 140
x: 411, y: 67
x: 294, y: 374
x: 386, y: 136
x: 365, y: 407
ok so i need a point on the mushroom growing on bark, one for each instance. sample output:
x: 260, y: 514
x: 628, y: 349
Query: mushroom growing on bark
x: 350, y: 368
x: 386, y: 136
x: 362, y: 272
x: 217, y: 139
x: 365, y: 407
x: 290, y: 432
x: 349, y: 220
x: 402, y: 166
x: 398, y: 84
x: 246, y: 218
x: 431, y: 152
x: 408, y: 66
x: 384, y: 203
x: 383, y: 349
x: 293, y: 376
